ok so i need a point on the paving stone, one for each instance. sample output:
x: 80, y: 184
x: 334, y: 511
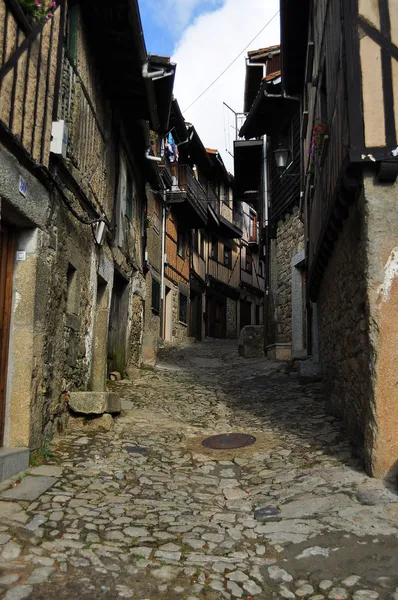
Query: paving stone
x: 19, y: 592
x: 338, y: 594
x: 351, y: 580
x: 252, y: 588
x: 41, y: 574
x: 235, y: 590
x: 30, y: 488
x: 304, y: 591
x: 365, y: 595
x: 325, y: 585
x: 136, y: 532
x: 237, y: 576
x: 166, y: 573
x: 9, y: 579
x: 277, y: 574
x: 11, y: 551
x: 47, y: 470
x: 284, y: 592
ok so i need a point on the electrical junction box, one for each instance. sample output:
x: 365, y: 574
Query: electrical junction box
x: 59, y: 138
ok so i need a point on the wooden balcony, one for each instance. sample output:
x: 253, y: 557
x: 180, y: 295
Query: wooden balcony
x: 28, y: 73
x: 189, y: 199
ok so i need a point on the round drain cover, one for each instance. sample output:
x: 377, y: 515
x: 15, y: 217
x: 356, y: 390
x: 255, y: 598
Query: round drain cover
x: 228, y: 441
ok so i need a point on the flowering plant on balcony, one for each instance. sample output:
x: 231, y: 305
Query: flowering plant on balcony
x: 320, y: 134
x: 40, y: 11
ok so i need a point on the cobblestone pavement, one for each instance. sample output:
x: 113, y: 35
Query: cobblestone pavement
x: 145, y: 511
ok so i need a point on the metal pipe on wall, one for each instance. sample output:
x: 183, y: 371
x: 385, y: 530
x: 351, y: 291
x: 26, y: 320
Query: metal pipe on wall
x: 162, y: 304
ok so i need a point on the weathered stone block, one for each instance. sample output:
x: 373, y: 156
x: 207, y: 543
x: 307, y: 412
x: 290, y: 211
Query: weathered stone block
x: 94, y: 403
x: 251, y: 341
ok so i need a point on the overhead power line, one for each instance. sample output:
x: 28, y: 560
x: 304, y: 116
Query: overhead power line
x: 232, y: 62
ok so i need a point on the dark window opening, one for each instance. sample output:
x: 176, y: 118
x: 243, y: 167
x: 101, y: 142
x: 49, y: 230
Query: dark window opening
x: 228, y: 257
x: 155, y: 304
x: 196, y: 240
x: 257, y: 314
x: 181, y: 243
x: 183, y: 309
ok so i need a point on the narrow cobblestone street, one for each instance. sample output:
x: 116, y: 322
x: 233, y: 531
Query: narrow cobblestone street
x: 145, y: 511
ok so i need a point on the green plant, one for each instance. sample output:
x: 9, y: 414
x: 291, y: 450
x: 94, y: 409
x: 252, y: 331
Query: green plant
x: 319, y: 133
x: 41, y: 455
x: 38, y: 10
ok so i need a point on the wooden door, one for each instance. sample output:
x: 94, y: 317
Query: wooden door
x: 117, y: 325
x: 245, y: 313
x: 6, y: 270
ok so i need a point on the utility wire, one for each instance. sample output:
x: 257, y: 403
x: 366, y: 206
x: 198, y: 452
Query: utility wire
x: 231, y: 63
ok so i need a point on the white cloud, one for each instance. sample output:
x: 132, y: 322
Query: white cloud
x: 175, y: 15
x: 205, y: 49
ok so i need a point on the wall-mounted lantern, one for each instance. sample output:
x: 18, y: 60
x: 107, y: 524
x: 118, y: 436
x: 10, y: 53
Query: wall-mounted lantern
x: 282, y: 155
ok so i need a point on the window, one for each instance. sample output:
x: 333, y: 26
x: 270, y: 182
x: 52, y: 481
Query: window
x: 181, y: 243
x: 202, y: 244
x: 214, y: 248
x: 249, y: 260
x: 73, y: 20
x: 258, y: 315
x: 155, y: 304
x: 129, y: 196
x: 228, y: 257
x: 183, y: 308
x: 261, y: 267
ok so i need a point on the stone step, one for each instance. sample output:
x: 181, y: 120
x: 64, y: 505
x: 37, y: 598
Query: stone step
x: 13, y: 461
x: 94, y: 403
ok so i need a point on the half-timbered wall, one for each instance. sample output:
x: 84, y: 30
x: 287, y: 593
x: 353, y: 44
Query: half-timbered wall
x: 325, y: 102
x: 378, y: 50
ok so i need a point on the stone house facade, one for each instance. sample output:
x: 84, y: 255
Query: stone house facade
x: 73, y: 198
x: 342, y: 59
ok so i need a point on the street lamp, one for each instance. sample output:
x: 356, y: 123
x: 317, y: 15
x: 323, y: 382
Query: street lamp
x: 281, y: 157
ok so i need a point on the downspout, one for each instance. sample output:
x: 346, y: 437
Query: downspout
x: 162, y: 294
x: 267, y: 257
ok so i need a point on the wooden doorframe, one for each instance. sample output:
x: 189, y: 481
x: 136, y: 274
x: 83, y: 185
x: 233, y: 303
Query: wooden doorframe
x: 7, y: 247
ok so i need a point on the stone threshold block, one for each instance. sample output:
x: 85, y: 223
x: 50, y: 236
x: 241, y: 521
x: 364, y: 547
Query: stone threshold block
x: 251, y: 341
x: 94, y: 403
x: 13, y: 461
x: 279, y: 352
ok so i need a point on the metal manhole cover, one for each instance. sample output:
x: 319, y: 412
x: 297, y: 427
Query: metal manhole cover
x: 228, y: 441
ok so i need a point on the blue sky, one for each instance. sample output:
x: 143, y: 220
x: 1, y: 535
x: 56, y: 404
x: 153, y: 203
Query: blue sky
x: 203, y: 37
x: 164, y: 21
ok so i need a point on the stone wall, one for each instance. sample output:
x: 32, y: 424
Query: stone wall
x: 232, y: 318
x: 381, y: 222
x: 289, y: 240
x: 154, y: 263
x: 342, y: 319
